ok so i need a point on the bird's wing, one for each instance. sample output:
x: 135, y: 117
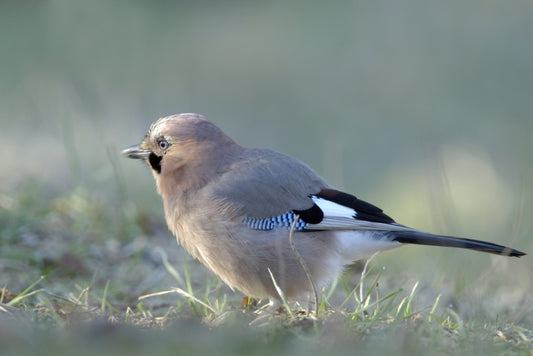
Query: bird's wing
x: 270, y: 189
x: 342, y: 211
x: 264, y: 183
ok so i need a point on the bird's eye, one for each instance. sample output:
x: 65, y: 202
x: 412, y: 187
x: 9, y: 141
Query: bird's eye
x: 163, y: 144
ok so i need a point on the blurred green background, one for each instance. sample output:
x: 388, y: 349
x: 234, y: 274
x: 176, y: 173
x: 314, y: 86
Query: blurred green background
x: 421, y: 107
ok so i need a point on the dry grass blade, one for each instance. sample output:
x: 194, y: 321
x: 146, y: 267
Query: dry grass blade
x: 181, y: 292
x: 281, y: 295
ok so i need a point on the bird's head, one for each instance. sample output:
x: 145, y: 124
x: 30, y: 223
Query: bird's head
x: 180, y: 147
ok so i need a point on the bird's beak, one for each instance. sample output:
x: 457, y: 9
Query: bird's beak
x: 136, y: 152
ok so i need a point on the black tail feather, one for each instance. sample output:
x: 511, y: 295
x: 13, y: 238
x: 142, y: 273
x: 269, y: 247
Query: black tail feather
x: 422, y: 238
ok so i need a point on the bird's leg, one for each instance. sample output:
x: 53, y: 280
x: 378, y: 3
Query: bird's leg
x: 248, y: 302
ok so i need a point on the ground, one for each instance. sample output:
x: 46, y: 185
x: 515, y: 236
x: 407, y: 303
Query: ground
x: 81, y: 273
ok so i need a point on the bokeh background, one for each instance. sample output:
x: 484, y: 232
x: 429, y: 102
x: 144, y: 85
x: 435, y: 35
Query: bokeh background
x: 423, y: 108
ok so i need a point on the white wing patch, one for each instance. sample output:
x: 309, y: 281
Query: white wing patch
x: 340, y: 217
x: 330, y: 208
x: 336, y: 216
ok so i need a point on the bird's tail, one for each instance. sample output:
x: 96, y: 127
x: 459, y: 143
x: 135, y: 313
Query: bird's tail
x: 423, y: 238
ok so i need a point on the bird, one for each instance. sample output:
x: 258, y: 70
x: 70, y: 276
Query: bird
x: 240, y: 211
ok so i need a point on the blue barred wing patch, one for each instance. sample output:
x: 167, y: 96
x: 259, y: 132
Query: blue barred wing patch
x: 284, y: 220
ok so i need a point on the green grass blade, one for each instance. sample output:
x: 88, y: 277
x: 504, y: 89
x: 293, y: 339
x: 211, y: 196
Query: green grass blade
x: 281, y: 295
x: 26, y: 293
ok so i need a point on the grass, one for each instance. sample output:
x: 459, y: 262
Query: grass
x: 79, y: 276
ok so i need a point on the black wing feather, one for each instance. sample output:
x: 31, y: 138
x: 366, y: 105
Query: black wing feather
x: 313, y: 215
x: 365, y: 211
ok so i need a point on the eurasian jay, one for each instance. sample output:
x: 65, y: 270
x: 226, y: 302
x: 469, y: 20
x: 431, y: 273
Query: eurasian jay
x: 232, y: 208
